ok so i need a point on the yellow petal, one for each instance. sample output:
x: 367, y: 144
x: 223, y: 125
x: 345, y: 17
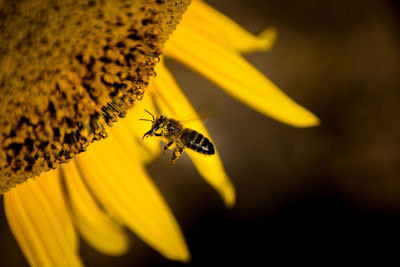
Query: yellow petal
x: 236, y: 76
x: 39, y: 219
x: 150, y: 149
x: 173, y: 103
x: 119, y: 181
x: 96, y: 227
x: 217, y: 26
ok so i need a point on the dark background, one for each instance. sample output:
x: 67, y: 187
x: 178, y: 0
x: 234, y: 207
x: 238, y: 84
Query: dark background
x: 302, y: 194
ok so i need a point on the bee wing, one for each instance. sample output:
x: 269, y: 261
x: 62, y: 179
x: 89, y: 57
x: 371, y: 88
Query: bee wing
x: 203, y: 113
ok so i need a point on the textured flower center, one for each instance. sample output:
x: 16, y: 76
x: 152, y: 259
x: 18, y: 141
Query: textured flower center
x: 67, y: 70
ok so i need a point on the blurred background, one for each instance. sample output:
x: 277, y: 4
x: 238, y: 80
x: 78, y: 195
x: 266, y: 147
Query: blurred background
x: 301, y: 193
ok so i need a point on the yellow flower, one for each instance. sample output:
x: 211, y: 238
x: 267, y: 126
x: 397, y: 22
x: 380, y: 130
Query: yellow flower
x: 108, y: 189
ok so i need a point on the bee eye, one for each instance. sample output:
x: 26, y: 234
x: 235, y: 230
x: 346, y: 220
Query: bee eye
x: 157, y: 124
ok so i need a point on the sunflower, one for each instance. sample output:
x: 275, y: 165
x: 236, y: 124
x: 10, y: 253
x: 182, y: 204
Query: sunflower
x: 105, y: 190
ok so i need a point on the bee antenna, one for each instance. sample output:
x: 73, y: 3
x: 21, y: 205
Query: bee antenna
x: 150, y: 114
x: 146, y: 120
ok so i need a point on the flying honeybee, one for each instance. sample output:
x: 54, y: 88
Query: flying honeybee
x: 183, y: 138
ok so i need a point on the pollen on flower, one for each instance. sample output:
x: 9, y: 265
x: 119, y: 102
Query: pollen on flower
x: 69, y: 69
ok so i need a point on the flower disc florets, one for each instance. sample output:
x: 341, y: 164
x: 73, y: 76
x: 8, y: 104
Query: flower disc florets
x: 67, y: 70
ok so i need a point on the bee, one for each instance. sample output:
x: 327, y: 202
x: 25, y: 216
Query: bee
x: 183, y: 138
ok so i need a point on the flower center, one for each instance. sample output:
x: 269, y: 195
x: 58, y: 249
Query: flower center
x: 67, y: 70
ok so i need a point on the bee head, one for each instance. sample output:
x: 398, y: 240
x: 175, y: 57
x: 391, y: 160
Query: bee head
x: 158, y: 124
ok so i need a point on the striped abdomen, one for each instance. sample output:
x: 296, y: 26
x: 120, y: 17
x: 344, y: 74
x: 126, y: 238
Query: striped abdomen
x: 196, y: 141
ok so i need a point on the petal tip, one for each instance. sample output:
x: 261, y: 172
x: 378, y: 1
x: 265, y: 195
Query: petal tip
x: 186, y: 257
x: 181, y: 253
x: 268, y: 37
x: 228, y: 194
x: 310, y: 121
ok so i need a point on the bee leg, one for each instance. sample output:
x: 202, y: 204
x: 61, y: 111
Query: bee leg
x: 167, y: 146
x: 176, y: 154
